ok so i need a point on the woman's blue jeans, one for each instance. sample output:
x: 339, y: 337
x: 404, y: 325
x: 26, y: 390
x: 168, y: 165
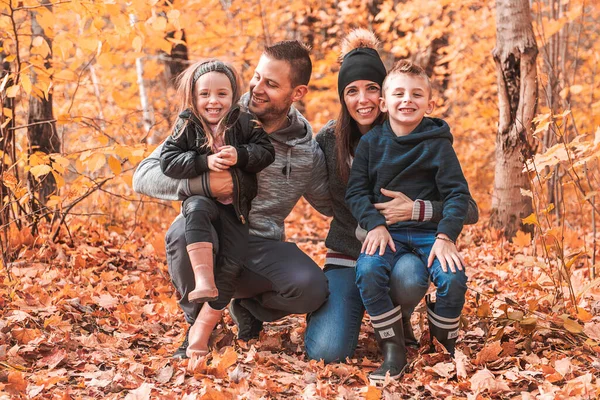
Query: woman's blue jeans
x: 332, y: 331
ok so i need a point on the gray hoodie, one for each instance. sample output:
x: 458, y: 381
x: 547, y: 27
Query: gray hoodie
x: 298, y: 170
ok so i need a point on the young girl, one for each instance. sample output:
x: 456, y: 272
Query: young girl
x: 212, y: 133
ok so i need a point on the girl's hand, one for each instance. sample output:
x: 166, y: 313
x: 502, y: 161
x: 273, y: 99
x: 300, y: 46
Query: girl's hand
x: 217, y: 163
x: 447, y: 253
x: 378, y: 237
x: 396, y: 210
x: 229, y: 154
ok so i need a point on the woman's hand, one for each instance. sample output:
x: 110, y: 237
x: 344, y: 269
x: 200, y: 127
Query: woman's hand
x: 396, y: 210
x: 378, y: 237
x: 447, y: 253
x: 229, y: 154
x: 216, y: 162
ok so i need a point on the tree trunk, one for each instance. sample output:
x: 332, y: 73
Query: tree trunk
x: 41, y: 131
x: 6, y: 137
x: 515, y: 56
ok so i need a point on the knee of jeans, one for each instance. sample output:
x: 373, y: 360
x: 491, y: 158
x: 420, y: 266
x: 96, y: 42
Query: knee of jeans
x: 452, y: 285
x: 198, y: 203
x: 367, y: 265
x: 324, y: 348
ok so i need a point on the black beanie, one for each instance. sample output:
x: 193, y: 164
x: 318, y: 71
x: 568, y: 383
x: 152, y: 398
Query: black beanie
x: 362, y: 63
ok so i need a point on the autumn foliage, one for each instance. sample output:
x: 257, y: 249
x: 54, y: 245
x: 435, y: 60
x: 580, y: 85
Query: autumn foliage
x: 87, y: 309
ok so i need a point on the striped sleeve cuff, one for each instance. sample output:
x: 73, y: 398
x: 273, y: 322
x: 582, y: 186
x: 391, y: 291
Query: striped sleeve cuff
x: 422, y: 210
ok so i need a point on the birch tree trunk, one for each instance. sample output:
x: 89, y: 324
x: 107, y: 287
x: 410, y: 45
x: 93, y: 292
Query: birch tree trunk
x: 515, y: 56
x: 41, y: 130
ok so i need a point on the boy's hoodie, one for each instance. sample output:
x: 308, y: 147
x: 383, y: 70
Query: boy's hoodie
x: 422, y: 165
x: 298, y: 170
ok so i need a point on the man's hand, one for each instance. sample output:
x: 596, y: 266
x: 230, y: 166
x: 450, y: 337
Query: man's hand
x: 447, y: 253
x: 378, y: 238
x: 221, y: 183
x: 396, y: 210
x: 229, y: 154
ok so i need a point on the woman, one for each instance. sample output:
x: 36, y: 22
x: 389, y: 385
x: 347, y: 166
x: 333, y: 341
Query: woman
x: 332, y: 331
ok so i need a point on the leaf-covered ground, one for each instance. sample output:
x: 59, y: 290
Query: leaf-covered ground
x: 95, y: 316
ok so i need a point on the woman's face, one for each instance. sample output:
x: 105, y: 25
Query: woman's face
x: 362, y: 100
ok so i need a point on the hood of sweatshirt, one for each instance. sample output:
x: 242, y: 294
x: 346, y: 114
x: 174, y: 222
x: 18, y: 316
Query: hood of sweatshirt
x: 429, y: 128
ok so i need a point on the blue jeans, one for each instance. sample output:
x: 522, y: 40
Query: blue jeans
x: 332, y: 331
x: 373, y: 275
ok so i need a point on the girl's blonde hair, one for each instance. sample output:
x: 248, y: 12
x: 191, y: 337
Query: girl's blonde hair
x: 186, y: 90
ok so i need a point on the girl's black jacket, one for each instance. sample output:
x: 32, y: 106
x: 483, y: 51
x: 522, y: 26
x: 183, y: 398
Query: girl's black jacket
x: 185, y: 154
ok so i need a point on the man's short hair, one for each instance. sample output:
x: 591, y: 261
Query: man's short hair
x: 297, y: 55
x: 408, y: 67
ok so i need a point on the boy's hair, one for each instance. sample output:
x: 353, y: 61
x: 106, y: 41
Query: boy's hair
x: 407, y: 67
x: 297, y: 55
x: 186, y: 90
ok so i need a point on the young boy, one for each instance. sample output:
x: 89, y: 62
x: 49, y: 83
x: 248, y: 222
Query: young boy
x: 413, y: 154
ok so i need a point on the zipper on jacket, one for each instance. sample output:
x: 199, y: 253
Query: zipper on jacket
x: 236, y: 179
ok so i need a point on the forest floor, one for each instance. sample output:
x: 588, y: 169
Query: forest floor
x: 96, y: 316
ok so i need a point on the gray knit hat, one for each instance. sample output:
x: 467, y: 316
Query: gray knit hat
x: 215, y: 66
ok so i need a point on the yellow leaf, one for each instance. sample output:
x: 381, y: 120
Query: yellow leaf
x: 115, y: 165
x: 26, y: 83
x: 522, y: 239
x: 12, y: 91
x: 95, y: 162
x: 531, y: 220
x: 137, y: 44
x: 66, y: 75
x: 572, y: 325
x: 576, y: 89
x: 584, y: 315
x: 40, y: 170
x: 37, y: 41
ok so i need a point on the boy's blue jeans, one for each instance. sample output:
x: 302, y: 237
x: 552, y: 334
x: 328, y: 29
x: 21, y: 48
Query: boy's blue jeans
x: 373, y: 275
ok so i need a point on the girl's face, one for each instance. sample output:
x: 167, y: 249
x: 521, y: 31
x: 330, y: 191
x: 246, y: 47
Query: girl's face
x: 214, y: 97
x: 362, y: 100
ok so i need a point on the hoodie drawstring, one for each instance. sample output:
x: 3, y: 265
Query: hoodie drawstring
x: 288, y: 166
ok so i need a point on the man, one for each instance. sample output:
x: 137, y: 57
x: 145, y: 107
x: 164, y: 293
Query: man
x: 278, y: 279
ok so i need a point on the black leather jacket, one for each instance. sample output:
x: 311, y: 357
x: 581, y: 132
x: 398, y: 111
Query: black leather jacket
x: 185, y: 154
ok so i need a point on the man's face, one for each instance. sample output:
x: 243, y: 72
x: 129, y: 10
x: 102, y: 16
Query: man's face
x: 271, y: 91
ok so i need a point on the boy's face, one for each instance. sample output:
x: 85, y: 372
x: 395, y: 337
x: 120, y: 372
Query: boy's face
x: 406, y: 99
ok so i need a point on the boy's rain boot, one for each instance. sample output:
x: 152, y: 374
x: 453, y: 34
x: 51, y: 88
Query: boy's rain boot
x: 409, y: 335
x: 390, y: 337
x: 201, y: 257
x: 445, y: 330
x: 200, y: 332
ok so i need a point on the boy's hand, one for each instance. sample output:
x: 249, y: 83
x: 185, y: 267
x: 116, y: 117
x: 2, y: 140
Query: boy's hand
x: 378, y: 238
x: 229, y: 154
x: 447, y: 253
x: 217, y: 163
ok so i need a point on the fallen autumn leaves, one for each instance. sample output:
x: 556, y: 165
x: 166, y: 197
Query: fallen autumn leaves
x: 98, y: 318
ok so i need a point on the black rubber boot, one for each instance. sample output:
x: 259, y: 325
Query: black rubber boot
x: 390, y: 337
x: 249, y: 327
x: 180, y: 352
x: 445, y: 330
x: 409, y: 335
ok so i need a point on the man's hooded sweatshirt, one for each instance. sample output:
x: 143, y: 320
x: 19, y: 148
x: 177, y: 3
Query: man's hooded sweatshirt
x: 422, y: 165
x: 298, y: 170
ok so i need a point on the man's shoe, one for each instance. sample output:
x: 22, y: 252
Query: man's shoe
x: 180, y: 352
x: 249, y: 326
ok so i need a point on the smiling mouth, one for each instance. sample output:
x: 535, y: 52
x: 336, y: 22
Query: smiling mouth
x: 406, y: 110
x: 257, y: 100
x: 213, y: 111
x: 365, y: 111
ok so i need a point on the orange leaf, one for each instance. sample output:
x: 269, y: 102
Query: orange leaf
x: 373, y: 393
x: 17, y: 382
x: 522, y: 239
x: 24, y: 335
x: 489, y: 353
x: 223, y: 361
